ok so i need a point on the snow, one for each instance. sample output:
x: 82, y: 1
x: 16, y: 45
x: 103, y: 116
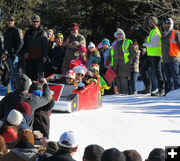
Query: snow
x: 139, y: 122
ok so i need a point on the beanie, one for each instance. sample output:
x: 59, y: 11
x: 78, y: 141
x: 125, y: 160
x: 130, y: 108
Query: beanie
x: 91, y: 45
x: 74, y: 26
x: 35, y: 17
x: 35, y: 86
x: 2, y: 143
x: 154, y: 19
x: 106, y: 41
x: 26, y: 136
x: 14, y: 117
x: 132, y: 155
x: 93, y: 152
x: 71, y: 74
x: 24, y: 107
x: 9, y: 134
x: 157, y: 154
x: 83, y: 48
x: 113, y: 154
x: 52, y: 147
x: 22, y: 83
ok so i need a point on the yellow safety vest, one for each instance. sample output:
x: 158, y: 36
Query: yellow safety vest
x: 125, y: 46
x: 154, y: 51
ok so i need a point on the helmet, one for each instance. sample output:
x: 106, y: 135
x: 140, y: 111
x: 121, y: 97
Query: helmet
x: 59, y: 35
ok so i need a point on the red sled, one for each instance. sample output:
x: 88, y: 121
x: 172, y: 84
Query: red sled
x: 109, y: 76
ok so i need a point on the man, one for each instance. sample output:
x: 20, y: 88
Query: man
x: 171, y: 55
x: 67, y: 147
x: 154, y: 54
x: 21, y: 94
x: 13, y: 42
x: 35, y: 49
x: 74, y: 41
x: 156, y: 154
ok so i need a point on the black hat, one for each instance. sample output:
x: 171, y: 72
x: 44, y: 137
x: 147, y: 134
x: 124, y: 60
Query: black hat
x: 113, y: 154
x: 157, y: 154
x: 52, y: 147
x: 93, y: 152
x: 11, y: 18
x: 35, y: 86
x: 22, y: 83
x: 35, y: 18
x: 132, y: 155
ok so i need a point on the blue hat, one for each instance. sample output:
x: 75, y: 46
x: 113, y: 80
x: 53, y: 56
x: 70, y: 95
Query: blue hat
x: 106, y: 41
x: 37, y: 93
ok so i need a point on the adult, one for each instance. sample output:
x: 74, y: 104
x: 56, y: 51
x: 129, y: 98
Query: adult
x: 21, y: 94
x: 156, y: 154
x: 171, y: 54
x: 74, y: 41
x: 122, y: 55
x: 13, y: 43
x: 132, y: 155
x: 35, y: 49
x: 153, y: 60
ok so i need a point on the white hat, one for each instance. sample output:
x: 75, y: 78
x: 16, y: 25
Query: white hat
x: 14, y: 117
x: 91, y: 45
x: 70, y: 138
x: 80, y: 69
x: 71, y: 74
x: 119, y: 31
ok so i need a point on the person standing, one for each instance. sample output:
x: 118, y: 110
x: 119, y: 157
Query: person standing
x: 171, y: 55
x: 153, y: 46
x: 13, y: 43
x: 35, y: 49
x: 74, y: 41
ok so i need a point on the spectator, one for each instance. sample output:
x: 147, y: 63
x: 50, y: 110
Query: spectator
x: 67, y: 147
x: 113, y: 154
x: 82, y: 54
x: 132, y: 155
x: 35, y: 49
x: 3, y: 149
x: 93, y: 152
x: 171, y: 53
x: 74, y: 41
x: 93, y: 56
x: 13, y: 42
x: 51, y: 38
x: 156, y: 154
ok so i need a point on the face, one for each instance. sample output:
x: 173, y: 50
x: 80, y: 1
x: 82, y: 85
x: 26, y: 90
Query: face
x: 167, y: 25
x: 50, y: 34
x: 59, y: 41
x: 95, y: 73
x: 151, y: 23
x: 79, y: 76
x: 91, y: 49
x: 69, y: 80
x: 119, y: 35
x: 10, y: 22
x: 105, y: 46
x: 36, y: 24
x: 74, y: 32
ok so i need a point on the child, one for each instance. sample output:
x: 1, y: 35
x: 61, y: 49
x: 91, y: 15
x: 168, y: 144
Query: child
x: 82, y: 54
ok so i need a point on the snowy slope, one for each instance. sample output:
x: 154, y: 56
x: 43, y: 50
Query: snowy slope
x: 138, y: 122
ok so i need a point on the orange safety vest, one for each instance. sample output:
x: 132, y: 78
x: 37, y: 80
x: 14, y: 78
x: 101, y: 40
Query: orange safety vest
x: 174, y: 49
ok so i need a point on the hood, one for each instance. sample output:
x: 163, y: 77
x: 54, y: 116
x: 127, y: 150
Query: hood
x: 120, y: 31
x: 25, y: 153
x: 171, y: 26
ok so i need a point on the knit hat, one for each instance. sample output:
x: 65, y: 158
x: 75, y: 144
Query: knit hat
x: 83, y: 48
x: 59, y: 35
x: 22, y: 83
x: 93, y: 152
x: 106, y: 41
x: 14, y: 117
x: 9, y: 134
x: 94, y: 67
x: 35, y: 17
x: 119, y: 31
x: 52, y: 147
x: 157, y: 154
x: 24, y: 107
x: 38, y: 93
x: 2, y: 143
x: 68, y: 140
x: 81, y: 69
x: 91, y: 45
x: 26, y: 136
x: 74, y: 26
x: 154, y: 19
x: 70, y: 74
x: 113, y: 154
x: 73, y: 63
x: 35, y: 86
x: 132, y: 155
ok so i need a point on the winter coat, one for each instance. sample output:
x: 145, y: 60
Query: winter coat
x: 41, y: 119
x: 120, y: 68
x: 36, y: 43
x: 13, y: 41
x: 10, y: 101
x: 93, y: 58
x: 60, y: 156
x: 104, y: 55
x: 21, y: 152
x: 72, y: 50
x: 135, y: 64
x: 82, y: 60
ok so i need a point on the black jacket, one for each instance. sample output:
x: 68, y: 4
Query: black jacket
x: 60, y: 156
x: 13, y: 41
x: 10, y: 101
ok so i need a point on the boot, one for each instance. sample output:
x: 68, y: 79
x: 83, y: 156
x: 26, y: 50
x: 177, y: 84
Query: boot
x: 116, y: 90
x: 161, y: 90
x: 147, y: 89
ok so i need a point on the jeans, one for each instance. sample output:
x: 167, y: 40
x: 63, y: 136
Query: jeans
x: 13, y: 63
x: 172, y: 76
x: 132, y: 82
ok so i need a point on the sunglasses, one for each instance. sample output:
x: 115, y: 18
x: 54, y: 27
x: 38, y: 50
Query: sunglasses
x: 10, y: 20
x: 80, y: 74
x: 35, y: 21
x: 167, y: 23
x: 93, y: 70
